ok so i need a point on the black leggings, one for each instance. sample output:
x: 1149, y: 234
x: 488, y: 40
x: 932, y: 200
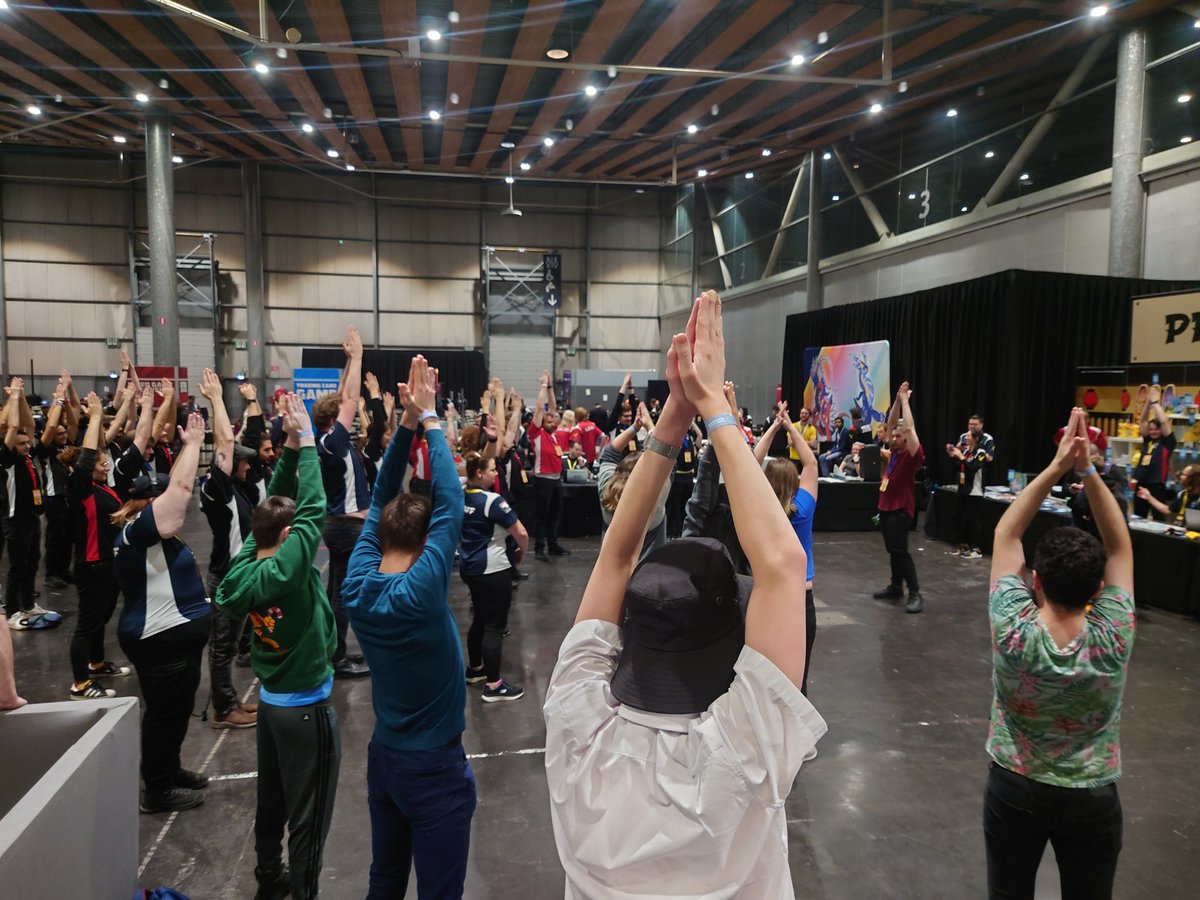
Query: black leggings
x: 23, y: 535
x: 810, y: 635
x: 966, y: 521
x: 547, y: 495
x: 1084, y: 825
x: 98, y: 588
x: 491, y: 596
x: 896, y: 524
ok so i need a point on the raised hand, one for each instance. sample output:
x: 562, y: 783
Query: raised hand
x: 193, y: 435
x: 1070, y: 444
x: 210, y: 385
x: 65, y: 377
x: 147, y: 398
x: 16, y: 387
x: 94, y: 407
x: 389, y: 403
x: 545, y: 378
x: 643, y: 417
x: 60, y: 392
x: 166, y: 387
x: 678, y: 399
x: 372, y: 384
x: 352, y: 345
x: 451, y: 411
x: 296, y: 413
x: 248, y: 391
x: 424, y: 386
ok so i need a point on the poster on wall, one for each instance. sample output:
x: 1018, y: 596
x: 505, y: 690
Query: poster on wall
x: 309, y: 384
x: 1166, y: 328
x: 844, y: 376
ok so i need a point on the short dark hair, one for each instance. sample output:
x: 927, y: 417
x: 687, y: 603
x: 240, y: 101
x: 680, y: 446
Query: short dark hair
x: 1070, y: 564
x: 856, y: 413
x: 975, y: 416
x: 270, y: 518
x: 404, y: 523
x: 325, y: 409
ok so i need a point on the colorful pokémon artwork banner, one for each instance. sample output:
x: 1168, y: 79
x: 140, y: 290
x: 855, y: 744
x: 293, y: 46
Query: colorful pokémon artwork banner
x: 846, y: 376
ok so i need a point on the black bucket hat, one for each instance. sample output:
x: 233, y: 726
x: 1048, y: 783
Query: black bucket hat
x: 684, y: 613
x: 241, y: 451
x: 147, y: 487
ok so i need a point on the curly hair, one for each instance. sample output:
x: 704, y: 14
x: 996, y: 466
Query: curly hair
x: 612, y: 491
x: 1070, y: 564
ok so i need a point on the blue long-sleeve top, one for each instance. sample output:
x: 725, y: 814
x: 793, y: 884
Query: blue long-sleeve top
x: 403, y: 621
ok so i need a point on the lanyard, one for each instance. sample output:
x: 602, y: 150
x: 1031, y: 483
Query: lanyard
x: 32, y: 472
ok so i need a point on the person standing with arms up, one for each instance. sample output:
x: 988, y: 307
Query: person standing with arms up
x: 1062, y: 635
x: 547, y: 473
x: 897, y: 501
x: 420, y: 787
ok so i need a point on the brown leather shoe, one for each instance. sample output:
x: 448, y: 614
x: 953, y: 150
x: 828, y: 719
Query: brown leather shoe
x: 235, y: 718
x: 248, y: 707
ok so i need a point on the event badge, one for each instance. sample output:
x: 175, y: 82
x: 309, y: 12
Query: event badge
x: 524, y: 477
x: 962, y: 476
x: 687, y: 456
x: 558, y: 448
x: 633, y: 446
x: 37, y: 496
x: 883, y: 484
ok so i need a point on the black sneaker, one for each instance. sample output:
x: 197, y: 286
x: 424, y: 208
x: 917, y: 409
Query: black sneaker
x: 186, y: 778
x: 171, y: 800
x: 273, y: 887
x: 502, y: 691
x: 541, y: 555
x: 916, y: 602
x: 92, y: 691
x: 110, y: 668
x: 556, y: 550
x: 474, y: 676
x: 891, y: 592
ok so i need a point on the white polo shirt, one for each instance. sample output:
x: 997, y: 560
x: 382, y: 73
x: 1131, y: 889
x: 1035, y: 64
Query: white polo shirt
x: 649, y: 805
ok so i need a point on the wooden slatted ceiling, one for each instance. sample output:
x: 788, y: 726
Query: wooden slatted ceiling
x: 400, y: 23
x: 532, y: 40
x: 826, y: 20
x: 653, y: 52
x: 466, y: 39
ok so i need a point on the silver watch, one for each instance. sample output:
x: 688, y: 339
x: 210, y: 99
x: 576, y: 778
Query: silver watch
x: 654, y: 445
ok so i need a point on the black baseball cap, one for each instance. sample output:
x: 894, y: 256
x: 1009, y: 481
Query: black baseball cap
x: 147, y: 487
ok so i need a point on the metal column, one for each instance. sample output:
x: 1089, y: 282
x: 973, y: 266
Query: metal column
x: 160, y: 208
x: 860, y: 191
x: 1127, y: 217
x: 255, y: 280
x: 814, y: 291
x: 375, y: 260
x: 718, y: 241
x: 788, y: 212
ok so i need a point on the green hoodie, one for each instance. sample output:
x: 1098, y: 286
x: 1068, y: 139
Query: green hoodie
x: 294, y: 634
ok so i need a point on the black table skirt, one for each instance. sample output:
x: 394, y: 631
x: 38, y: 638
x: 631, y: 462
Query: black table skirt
x: 846, y: 506
x: 580, y: 511
x: 1166, y: 568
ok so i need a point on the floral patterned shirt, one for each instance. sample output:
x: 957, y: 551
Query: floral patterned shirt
x: 1056, y: 712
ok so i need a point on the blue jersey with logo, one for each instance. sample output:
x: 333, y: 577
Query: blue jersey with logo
x: 342, y: 472
x: 482, y: 550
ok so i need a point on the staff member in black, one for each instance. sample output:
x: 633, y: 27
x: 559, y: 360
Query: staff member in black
x: 53, y: 441
x: 91, y: 504
x: 135, y: 460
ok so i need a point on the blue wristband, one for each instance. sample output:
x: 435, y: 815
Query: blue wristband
x: 718, y: 421
x: 1084, y: 473
x: 305, y: 434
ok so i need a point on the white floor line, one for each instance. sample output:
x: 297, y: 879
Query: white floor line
x: 208, y: 759
x: 527, y: 752
x: 237, y: 777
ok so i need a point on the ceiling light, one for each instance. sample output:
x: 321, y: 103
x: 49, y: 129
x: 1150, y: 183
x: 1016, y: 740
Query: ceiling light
x: 454, y: 98
x: 307, y: 128
x: 261, y: 68
x: 548, y: 141
x: 837, y: 196
x: 989, y: 155
x: 433, y: 34
x: 951, y: 113
x: 3, y: 4
x: 702, y: 173
x: 557, y: 53
x: 826, y: 155
x: 823, y: 37
x: 1185, y: 139
x: 876, y: 107
x: 912, y: 196
x: 639, y: 190
x: 903, y: 87
x: 715, y: 109
x: 569, y: 124
x: 163, y: 83
x: 590, y: 90
x: 119, y: 138
x: 1196, y: 24
x: 1024, y: 176
x: 331, y: 153
x: 327, y: 113
x: 453, y: 16
x: 692, y: 129
x: 507, y: 145
x: 349, y: 167
x: 525, y: 167
x: 1097, y: 12
x: 797, y: 60
x: 508, y: 179
x: 766, y: 151
x: 141, y: 98
x: 177, y: 159
x: 520, y: 249
x: 434, y: 115
x: 281, y: 52
x: 1184, y: 98
x: 964, y: 209
x: 749, y: 175
x: 34, y: 110
x: 612, y: 71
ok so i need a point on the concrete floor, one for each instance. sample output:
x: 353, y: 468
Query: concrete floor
x: 892, y: 807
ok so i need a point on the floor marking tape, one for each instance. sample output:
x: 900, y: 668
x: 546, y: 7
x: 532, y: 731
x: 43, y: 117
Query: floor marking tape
x: 527, y: 752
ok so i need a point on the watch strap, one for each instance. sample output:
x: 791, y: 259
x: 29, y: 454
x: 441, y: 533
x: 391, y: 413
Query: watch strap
x: 654, y: 445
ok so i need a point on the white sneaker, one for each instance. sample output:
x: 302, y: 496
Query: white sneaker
x: 19, y: 622
x: 972, y: 554
x: 38, y: 611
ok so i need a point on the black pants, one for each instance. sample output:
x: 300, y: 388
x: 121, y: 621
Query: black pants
x: 1144, y: 509
x: 896, y: 525
x: 222, y: 649
x: 810, y: 635
x: 58, y: 538
x: 681, y: 492
x: 341, y: 534
x: 299, y: 755
x: 98, y: 588
x: 168, y: 670
x: 23, y: 534
x: 1084, y: 826
x: 491, y: 597
x: 547, y: 496
x: 966, y: 520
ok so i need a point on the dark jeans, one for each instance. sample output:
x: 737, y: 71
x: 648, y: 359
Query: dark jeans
x: 895, y: 525
x: 491, y: 596
x: 1143, y: 508
x: 222, y: 649
x: 810, y: 635
x: 341, y: 534
x: 23, y: 534
x: 58, y: 538
x: 421, y: 805
x: 299, y: 755
x: 168, y: 670
x: 547, y: 496
x: 1083, y: 825
x: 681, y: 493
x: 966, y: 520
x: 98, y: 589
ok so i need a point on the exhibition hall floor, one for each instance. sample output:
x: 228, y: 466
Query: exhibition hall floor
x: 892, y: 806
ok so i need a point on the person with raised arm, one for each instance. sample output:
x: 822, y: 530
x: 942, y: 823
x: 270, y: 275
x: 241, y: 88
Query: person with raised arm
x: 164, y: 621
x: 420, y: 787
x: 135, y: 460
x: 1062, y: 635
x: 547, y: 473
x: 347, y: 495
x: 273, y: 580
x: 1154, y: 464
x: 57, y: 433
x: 897, y: 501
x: 674, y: 721
x: 91, y: 505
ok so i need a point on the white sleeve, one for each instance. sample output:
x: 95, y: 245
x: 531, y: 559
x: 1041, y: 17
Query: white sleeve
x: 579, y: 697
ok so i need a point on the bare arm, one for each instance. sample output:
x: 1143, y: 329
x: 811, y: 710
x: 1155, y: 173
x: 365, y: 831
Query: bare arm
x: 53, y: 416
x: 764, y: 443
x: 145, y: 423
x: 170, y: 508
x: 352, y: 388
x: 124, y: 406
x: 810, y: 471
x: 13, y: 406
x: 538, y: 410
x: 210, y: 387
x: 164, y: 419
x: 909, y: 426
x: 91, y: 438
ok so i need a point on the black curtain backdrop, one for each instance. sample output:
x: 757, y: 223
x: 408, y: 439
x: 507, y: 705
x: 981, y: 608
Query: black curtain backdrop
x: 458, y: 370
x: 1005, y: 345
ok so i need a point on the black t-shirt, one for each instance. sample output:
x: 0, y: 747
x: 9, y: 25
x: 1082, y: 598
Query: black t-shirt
x: 91, y: 507
x: 228, y: 516
x: 130, y: 464
x: 1156, y: 458
x: 22, y: 483
x: 53, y: 473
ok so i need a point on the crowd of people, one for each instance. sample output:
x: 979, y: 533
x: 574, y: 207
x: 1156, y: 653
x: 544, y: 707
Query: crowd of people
x: 677, y: 715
